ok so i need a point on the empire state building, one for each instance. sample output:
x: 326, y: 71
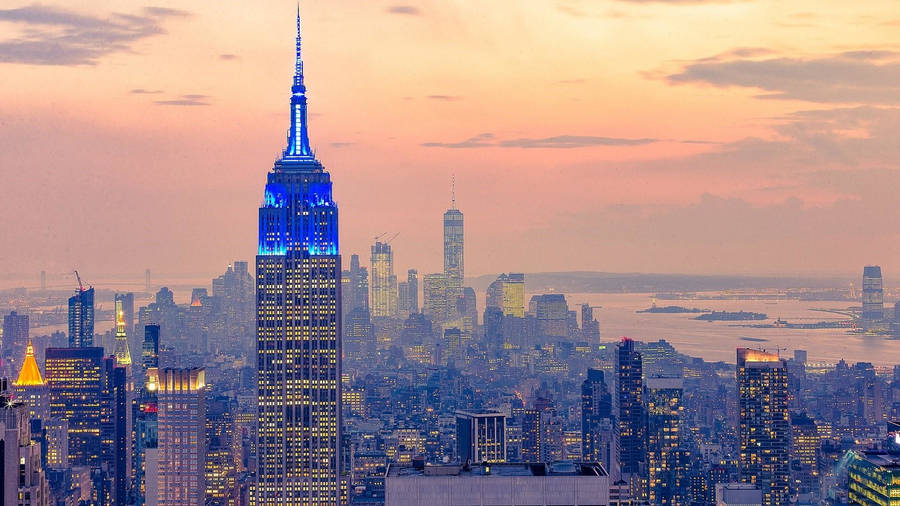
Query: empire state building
x: 298, y: 279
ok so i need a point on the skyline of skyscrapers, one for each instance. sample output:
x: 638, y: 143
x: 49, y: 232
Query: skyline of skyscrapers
x: 298, y: 279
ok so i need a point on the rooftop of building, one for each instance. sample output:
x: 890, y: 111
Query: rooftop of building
x: 881, y: 458
x: 559, y: 468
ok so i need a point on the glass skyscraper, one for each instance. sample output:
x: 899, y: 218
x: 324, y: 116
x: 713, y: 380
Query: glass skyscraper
x: 298, y: 278
x: 81, y: 318
x: 454, y: 265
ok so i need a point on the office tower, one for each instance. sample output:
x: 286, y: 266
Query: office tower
x: 87, y: 390
x: 384, y: 282
x: 632, y: 418
x: 590, y: 327
x: 359, y: 335
x: 127, y: 300
x: 530, y: 421
x: 146, y: 443
x: 454, y: 265
x: 412, y: 284
x: 235, y: 290
x: 298, y: 322
x: 182, y: 437
x: 31, y: 388
x: 15, y: 330
x: 435, y: 296
x: 81, y: 318
x: 552, y: 314
x: 56, y: 433
x: 578, y: 483
x: 358, y: 284
x: 599, y: 439
x: 223, y: 445
x: 507, y: 292
x: 22, y: 480
x: 480, y: 437
x: 403, y: 298
x: 764, y: 428
x: 150, y: 347
x: 804, y: 453
x: 872, y: 294
x: 122, y: 353
x: 874, y: 477
x: 664, y: 414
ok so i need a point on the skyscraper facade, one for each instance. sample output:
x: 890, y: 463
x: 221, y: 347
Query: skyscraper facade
x: 412, y: 285
x: 384, y: 281
x: 182, y: 437
x: 664, y: 410
x: 15, y: 331
x: 434, y: 291
x: 22, y: 480
x: 764, y: 428
x: 122, y: 351
x: 872, y: 293
x: 599, y: 441
x: 480, y: 437
x: 507, y: 292
x: 298, y: 278
x: 632, y: 418
x: 454, y: 264
x: 81, y: 318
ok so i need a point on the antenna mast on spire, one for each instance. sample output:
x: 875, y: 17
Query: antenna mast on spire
x: 453, y: 191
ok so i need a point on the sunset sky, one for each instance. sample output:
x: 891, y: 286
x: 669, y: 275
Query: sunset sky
x: 623, y: 135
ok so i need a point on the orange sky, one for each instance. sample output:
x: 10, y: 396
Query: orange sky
x: 657, y: 136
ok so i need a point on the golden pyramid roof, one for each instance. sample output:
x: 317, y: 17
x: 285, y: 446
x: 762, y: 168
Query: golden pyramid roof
x: 30, y: 375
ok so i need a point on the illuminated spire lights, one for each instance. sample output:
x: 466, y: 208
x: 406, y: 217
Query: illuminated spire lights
x: 30, y: 375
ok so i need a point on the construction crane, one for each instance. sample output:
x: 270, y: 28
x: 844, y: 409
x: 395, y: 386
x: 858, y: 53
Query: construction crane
x: 392, y: 238
x: 80, y: 285
x: 379, y: 236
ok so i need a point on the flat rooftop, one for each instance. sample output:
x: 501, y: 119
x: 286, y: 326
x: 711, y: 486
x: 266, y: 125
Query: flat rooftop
x: 560, y: 468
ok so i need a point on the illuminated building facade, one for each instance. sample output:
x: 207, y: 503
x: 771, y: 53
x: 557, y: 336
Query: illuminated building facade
x: 22, y: 480
x: 81, y: 318
x: 480, y: 437
x: 434, y: 293
x: 384, y: 282
x: 874, y: 478
x: 30, y: 387
x: 664, y: 410
x: 298, y: 277
x: 805, y: 444
x: 632, y: 417
x: 412, y: 287
x: 122, y: 351
x: 507, y: 292
x: 182, y: 437
x: 872, y: 293
x: 764, y: 428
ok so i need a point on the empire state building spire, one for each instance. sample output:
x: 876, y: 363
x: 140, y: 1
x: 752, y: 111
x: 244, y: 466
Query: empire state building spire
x: 298, y: 136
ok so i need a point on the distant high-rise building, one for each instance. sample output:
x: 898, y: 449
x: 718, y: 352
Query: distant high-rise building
x: 384, y: 282
x: 150, y: 347
x: 15, y: 332
x: 182, y: 437
x: 552, y: 314
x: 632, y: 417
x: 804, y: 456
x: 454, y: 258
x: 146, y: 442
x: 530, y: 420
x: 599, y: 440
x: 590, y: 327
x: 403, y: 298
x: 147, y: 287
x: 507, y: 292
x: 872, y: 294
x: 127, y: 300
x: 764, y: 428
x: 31, y: 388
x: 22, y: 480
x: 298, y: 277
x: 664, y: 418
x: 412, y: 285
x: 81, y: 318
x: 222, y: 453
x: 435, y: 296
x: 123, y: 353
x: 480, y: 437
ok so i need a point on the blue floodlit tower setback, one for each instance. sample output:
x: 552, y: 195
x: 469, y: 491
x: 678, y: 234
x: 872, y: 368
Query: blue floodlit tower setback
x: 298, y: 277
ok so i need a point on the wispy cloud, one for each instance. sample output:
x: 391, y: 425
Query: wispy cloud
x: 487, y: 140
x: 186, y: 100
x: 479, y: 141
x: 229, y: 56
x: 58, y: 36
x: 445, y: 98
x: 864, y: 77
x: 408, y: 10
x: 142, y: 91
